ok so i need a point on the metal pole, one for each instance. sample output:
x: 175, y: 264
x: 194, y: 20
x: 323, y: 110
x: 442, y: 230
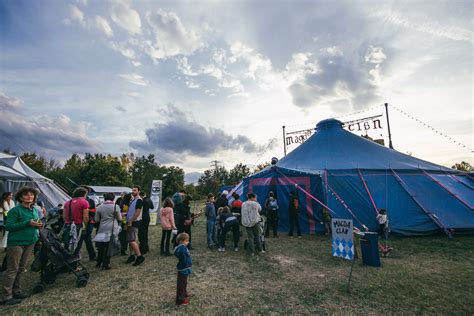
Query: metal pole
x: 284, y: 141
x: 390, y: 145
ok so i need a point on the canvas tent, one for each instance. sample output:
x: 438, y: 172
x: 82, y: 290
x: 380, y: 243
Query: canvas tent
x: 354, y: 177
x: 14, y: 174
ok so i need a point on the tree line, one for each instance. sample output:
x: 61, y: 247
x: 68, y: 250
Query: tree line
x: 129, y: 169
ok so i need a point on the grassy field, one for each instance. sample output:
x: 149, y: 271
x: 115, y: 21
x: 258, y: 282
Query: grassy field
x: 425, y: 275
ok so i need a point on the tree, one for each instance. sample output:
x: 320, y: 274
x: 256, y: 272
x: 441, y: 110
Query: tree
x: 237, y: 173
x: 208, y: 183
x: 144, y: 170
x: 173, y: 180
x: 98, y: 169
x: 260, y: 167
x: 463, y: 166
x: 38, y: 163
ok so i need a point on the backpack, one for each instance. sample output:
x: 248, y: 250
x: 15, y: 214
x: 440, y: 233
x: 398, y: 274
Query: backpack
x: 273, y: 205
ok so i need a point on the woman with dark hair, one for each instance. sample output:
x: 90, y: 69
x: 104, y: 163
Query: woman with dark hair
x: 108, y: 217
x: 23, y: 224
x: 124, y: 203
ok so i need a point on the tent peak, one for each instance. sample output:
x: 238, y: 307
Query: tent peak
x: 329, y: 124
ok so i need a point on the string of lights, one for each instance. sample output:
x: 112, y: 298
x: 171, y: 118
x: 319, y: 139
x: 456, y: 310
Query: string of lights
x: 431, y: 127
x: 270, y: 142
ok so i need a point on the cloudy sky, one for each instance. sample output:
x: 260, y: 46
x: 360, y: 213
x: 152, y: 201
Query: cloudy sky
x: 195, y: 81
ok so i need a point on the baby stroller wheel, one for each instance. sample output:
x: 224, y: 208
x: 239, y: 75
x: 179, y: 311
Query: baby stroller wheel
x: 81, y: 282
x: 39, y: 288
x: 49, y: 277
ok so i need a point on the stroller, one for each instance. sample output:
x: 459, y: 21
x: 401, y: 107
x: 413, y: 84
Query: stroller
x: 51, y: 258
x: 263, y: 227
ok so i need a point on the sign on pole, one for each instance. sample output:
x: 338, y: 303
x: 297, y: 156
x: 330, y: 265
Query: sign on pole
x: 342, y: 238
x: 155, y: 197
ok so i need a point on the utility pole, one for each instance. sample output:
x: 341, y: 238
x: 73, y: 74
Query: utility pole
x: 215, y: 164
x: 284, y: 140
x: 390, y: 145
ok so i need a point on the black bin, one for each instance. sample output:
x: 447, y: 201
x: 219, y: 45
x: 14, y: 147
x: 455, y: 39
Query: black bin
x: 369, y: 244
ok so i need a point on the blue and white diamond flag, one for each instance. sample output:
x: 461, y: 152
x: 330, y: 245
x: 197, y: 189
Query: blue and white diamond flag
x: 342, y: 238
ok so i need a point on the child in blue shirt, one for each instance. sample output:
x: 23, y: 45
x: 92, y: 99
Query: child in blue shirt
x: 184, y: 268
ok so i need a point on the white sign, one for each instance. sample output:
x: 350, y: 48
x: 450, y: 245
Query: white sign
x: 155, y: 196
x: 342, y: 238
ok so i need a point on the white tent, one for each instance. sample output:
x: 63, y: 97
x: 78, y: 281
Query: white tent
x: 14, y: 174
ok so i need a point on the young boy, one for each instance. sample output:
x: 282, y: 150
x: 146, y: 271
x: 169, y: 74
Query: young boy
x: 184, y: 268
x: 228, y: 222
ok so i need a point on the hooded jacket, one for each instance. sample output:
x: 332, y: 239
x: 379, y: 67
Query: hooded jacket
x: 167, y: 218
x: 185, y: 262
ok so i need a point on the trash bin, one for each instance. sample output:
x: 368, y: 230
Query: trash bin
x: 369, y: 244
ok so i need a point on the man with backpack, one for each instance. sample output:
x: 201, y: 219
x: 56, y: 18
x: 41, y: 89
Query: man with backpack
x: 271, y: 208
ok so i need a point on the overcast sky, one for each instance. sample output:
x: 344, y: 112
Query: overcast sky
x: 195, y: 81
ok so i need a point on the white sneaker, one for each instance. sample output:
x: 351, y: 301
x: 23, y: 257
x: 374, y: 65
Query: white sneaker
x: 221, y: 249
x: 263, y: 251
x: 236, y: 249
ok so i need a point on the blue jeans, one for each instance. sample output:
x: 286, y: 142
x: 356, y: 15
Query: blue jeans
x: 211, y: 232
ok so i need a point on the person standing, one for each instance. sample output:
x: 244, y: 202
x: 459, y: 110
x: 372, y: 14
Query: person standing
x: 184, y: 269
x: 109, y: 218
x: 271, y: 207
x: 167, y: 225
x: 123, y: 204
x: 134, y: 216
x: 250, y: 220
x: 23, y: 224
x: 293, y: 209
x: 76, y: 211
x: 6, y: 204
x: 145, y: 222
x: 210, y: 212
x: 90, y: 228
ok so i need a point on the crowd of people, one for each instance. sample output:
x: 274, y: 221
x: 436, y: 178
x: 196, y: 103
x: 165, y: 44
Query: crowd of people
x: 121, y: 227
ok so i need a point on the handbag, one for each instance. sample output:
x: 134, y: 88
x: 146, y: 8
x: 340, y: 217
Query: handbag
x: 188, y: 222
x: 113, y: 248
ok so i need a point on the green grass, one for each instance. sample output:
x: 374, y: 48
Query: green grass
x: 425, y: 275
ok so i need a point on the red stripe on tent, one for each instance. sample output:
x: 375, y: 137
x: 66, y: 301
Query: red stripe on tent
x: 368, y: 192
x: 433, y: 217
x: 447, y: 190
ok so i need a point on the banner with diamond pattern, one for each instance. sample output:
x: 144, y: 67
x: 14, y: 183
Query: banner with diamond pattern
x: 342, y: 238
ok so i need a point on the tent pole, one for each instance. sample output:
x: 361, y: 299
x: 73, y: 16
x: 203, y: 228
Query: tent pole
x: 284, y: 141
x: 390, y: 145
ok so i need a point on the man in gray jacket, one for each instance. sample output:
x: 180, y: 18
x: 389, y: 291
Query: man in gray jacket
x: 250, y: 220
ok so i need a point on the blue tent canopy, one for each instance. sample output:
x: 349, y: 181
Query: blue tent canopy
x: 355, y: 177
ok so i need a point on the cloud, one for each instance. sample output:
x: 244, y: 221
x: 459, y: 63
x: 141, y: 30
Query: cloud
x: 171, y: 37
x: 53, y: 136
x: 122, y: 49
x: 331, y: 78
x: 103, y: 26
x: 9, y: 103
x: 180, y: 137
x: 125, y: 17
x: 77, y: 15
x: 426, y: 25
x: 135, y: 79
